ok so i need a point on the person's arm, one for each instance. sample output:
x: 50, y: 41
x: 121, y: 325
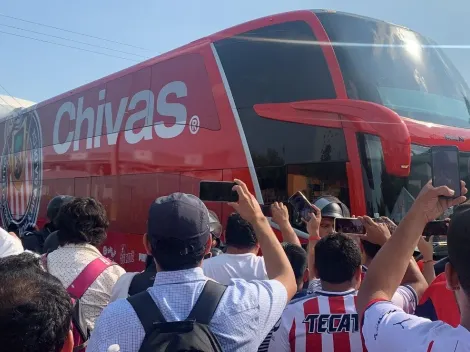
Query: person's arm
x: 379, y: 233
x: 277, y: 265
x: 415, y: 279
x: 388, y: 268
x: 427, y: 250
x: 280, y: 216
x: 313, y: 229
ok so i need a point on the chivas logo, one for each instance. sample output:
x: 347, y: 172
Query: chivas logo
x: 21, y: 171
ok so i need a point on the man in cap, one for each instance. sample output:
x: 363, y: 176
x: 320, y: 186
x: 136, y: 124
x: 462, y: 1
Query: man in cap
x: 35, y: 240
x: 178, y: 236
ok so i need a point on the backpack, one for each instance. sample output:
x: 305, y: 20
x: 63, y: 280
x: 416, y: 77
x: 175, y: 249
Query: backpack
x: 192, y: 334
x: 81, y: 333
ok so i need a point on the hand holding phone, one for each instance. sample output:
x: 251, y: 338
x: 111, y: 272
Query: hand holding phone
x: 217, y: 191
x: 445, y: 168
x: 350, y: 225
x: 301, y: 205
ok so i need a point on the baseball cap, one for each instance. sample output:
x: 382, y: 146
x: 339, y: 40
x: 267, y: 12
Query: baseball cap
x: 331, y: 207
x: 55, y: 204
x: 180, y: 217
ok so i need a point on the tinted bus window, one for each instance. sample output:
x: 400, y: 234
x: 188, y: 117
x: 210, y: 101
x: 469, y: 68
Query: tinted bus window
x: 277, y: 64
x: 398, y: 68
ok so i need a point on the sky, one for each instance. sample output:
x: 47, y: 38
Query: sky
x: 36, y: 70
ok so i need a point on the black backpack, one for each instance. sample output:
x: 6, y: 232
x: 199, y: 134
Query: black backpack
x: 192, y: 334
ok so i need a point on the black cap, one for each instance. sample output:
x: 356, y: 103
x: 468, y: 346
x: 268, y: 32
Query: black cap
x: 180, y: 216
x: 332, y: 207
x: 55, y: 204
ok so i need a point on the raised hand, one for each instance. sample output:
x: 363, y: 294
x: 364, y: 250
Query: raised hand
x: 247, y: 205
x: 433, y: 201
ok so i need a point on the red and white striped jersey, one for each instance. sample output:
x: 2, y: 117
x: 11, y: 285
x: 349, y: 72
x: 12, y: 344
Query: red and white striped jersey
x: 320, y: 322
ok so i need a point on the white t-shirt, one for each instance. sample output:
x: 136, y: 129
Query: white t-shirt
x: 121, y: 288
x: 388, y: 328
x: 226, y: 267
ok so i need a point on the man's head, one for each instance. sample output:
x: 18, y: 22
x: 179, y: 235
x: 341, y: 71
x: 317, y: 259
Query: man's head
x: 178, y: 232
x: 298, y: 260
x: 82, y: 220
x: 239, y: 234
x: 458, y: 246
x: 35, y: 309
x: 338, y: 260
x: 54, y: 206
x: 331, y: 208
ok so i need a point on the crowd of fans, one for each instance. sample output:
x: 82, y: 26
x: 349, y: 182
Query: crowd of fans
x: 201, y: 291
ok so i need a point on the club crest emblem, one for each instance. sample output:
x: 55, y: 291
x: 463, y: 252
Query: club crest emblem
x: 21, y: 170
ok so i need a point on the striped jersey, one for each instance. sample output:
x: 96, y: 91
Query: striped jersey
x: 320, y: 322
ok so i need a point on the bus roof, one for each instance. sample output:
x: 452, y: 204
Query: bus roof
x: 229, y: 32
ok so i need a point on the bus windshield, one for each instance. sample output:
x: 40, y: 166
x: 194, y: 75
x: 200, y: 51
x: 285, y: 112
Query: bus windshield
x: 398, y: 68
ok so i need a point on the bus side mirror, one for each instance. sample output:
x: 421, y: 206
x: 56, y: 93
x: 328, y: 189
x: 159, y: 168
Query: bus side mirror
x: 361, y: 116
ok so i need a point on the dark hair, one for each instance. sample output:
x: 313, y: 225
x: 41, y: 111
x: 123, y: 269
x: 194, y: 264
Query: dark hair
x: 82, y: 220
x: 239, y: 233
x: 371, y: 249
x: 298, y: 259
x: 35, y: 309
x: 337, y: 258
x: 149, y: 261
x: 458, y: 244
x: 167, y: 253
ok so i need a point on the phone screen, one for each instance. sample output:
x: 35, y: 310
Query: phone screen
x: 301, y: 205
x: 436, y: 228
x: 217, y: 191
x: 445, y: 168
x: 349, y: 225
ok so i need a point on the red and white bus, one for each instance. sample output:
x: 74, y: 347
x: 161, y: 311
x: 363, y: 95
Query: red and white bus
x: 319, y: 101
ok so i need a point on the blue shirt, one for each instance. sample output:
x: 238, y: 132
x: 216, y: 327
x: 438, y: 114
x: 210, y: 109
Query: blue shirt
x: 245, y: 315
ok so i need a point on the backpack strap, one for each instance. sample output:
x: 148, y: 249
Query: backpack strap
x: 88, y: 275
x: 207, y: 302
x: 147, y: 310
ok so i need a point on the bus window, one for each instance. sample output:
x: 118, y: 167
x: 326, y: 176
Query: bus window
x: 398, y: 68
x: 390, y: 195
x: 313, y: 179
x: 275, y: 64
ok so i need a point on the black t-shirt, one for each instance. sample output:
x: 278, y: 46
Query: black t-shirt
x: 34, y: 240
x: 143, y: 280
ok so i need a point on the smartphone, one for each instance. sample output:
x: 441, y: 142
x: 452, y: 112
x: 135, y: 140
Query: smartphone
x: 349, y: 225
x: 301, y: 205
x: 217, y: 191
x: 436, y: 228
x: 445, y: 168
x: 266, y: 209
